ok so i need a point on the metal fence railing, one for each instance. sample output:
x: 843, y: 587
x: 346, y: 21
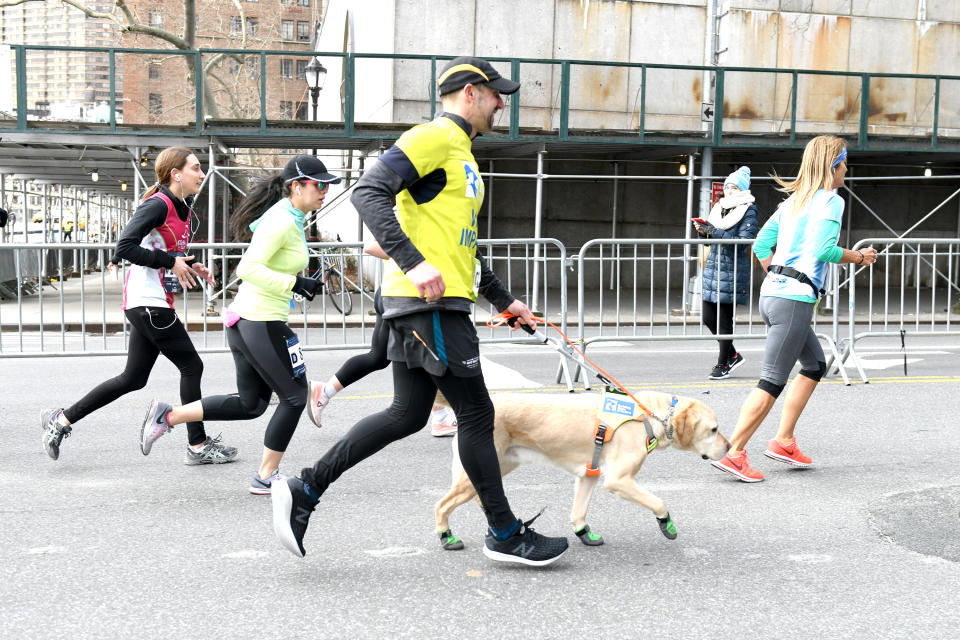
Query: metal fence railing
x: 62, y: 299
x: 656, y: 294
x: 910, y: 291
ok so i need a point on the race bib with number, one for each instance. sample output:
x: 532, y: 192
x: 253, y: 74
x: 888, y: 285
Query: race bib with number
x: 296, y: 357
x: 476, y: 277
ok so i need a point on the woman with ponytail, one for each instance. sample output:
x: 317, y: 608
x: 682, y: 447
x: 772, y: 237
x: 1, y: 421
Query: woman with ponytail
x: 265, y: 350
x: 155, y: 243
x: 804, y: 229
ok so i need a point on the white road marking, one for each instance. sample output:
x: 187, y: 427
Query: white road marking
x: 810, y: 558
x: 52, y: 549
x: 498, y: 376
x: 395, y: 552
x: 245, y: 554
x: 884, y: 363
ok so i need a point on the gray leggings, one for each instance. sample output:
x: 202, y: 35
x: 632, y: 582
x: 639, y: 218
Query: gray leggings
x: 790, y: 338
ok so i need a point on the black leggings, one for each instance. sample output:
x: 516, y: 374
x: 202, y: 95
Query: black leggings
x: 263, y: 365
x: 364, y: 364
x: 413, y: 394
x: 727, y: 351
x: 153, y: 330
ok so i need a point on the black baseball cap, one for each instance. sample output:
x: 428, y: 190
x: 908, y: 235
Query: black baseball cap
x: 465, y: 70
x: 308, y: 168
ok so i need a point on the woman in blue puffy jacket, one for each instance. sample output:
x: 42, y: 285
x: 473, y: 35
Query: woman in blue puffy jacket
x: 726, y: 274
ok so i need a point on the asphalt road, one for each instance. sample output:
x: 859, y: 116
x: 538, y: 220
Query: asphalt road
x: 107, y: 543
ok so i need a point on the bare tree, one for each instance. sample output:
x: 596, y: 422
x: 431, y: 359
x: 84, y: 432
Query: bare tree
x: 127, y: 22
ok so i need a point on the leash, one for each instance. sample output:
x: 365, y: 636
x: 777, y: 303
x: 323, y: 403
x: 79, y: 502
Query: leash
x: 604, y: 432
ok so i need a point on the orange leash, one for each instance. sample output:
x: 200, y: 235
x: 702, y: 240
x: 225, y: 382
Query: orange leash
x: 510, y: 319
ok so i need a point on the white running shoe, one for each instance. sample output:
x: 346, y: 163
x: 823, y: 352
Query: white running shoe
x: 443, y: 425
x: 317, y: 402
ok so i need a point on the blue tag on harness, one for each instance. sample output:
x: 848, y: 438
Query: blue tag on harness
x: 296, y: 357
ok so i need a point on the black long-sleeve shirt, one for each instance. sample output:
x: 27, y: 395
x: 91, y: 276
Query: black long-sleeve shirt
x: 150, y: 214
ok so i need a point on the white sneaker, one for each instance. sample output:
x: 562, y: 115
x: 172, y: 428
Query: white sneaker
x: 443, y: 426
x: 317, y: 400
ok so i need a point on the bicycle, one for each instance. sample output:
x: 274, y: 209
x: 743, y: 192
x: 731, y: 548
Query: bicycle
x: 330, y: 273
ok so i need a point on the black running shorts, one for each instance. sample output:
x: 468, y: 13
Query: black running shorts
x: 436, y: 341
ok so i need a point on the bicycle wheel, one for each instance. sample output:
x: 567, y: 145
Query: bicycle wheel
x: 339, y: 296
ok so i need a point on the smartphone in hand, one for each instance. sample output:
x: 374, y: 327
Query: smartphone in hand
x: 699, y: 220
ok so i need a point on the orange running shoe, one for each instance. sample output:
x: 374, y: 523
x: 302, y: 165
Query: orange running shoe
x: 738, y: 465
x: 788, y: 453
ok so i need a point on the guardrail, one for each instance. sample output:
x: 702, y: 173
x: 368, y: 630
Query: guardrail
x: 653, y: 297
x: 649, y: 100
x: 61, y: 299
x: 910, y: 291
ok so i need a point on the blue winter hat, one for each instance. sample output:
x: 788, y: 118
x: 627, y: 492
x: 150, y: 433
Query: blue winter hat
x: 739, y: 178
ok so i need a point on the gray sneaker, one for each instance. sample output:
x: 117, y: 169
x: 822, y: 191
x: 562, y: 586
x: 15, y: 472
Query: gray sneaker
x: 154, y: 425
x: 53, y: 432
x: 261, y: 487
x: 213, y: 452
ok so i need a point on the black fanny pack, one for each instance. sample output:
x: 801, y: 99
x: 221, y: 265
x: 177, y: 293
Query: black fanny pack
x: 799, y: 276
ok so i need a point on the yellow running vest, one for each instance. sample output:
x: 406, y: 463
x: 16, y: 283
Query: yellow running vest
x: 439, y: 211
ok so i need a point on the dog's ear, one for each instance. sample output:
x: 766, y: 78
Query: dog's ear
x: 685, y: 423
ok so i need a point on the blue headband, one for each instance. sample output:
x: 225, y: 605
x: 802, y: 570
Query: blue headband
x: 843, y: 156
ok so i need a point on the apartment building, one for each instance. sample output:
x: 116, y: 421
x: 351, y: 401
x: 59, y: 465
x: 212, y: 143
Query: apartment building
x: 62, y: 85
x: 159, y: 88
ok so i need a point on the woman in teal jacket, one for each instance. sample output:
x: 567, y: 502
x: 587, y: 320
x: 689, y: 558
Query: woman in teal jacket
x: 804, y: 229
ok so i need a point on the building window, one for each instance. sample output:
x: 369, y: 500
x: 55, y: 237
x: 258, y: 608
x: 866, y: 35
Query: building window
x: 234, y: 66
x: 156, y: 104
x: 286, y: 110
x: 286, y: 29
x: 154, y: 73
x: 303, y: 3
x: 285, y: 1
x: 236, y: 25
x: 303, y: 31
x: 301, y: 69
x: 253, y: 63
x: 286, y: 68
x: 156, y: 19
x: 253, y: 24
x: 301, y: 111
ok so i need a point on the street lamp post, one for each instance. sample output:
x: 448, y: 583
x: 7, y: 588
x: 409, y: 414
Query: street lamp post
x: 315, y: 73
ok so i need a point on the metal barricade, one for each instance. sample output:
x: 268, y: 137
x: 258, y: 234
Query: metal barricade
x: 51, y: 308
x: 651, y: 297
x: 911, y: 290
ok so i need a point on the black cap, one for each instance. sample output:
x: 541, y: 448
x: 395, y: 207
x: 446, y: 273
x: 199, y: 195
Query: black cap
x: 465, y: 70
x: 309, y: 168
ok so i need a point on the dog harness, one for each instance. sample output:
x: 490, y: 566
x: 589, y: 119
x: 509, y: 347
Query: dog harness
x: 616, y: 409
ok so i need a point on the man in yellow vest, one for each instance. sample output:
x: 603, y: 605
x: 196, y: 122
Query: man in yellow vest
x: 429, y: 288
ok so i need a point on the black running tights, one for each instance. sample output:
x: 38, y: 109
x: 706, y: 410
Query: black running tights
x: 725, y: 315
x: 413, y: 394
x: 153, y: 330
x: 364, y: 364
x: 260, y: 353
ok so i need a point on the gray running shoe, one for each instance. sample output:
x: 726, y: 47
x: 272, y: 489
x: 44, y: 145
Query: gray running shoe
x: 261, y: 487
x: 213, y: 452
x: 53, y: 432
x: 154, y: 425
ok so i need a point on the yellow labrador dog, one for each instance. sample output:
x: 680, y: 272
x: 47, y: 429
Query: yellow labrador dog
x: 560, y: 429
